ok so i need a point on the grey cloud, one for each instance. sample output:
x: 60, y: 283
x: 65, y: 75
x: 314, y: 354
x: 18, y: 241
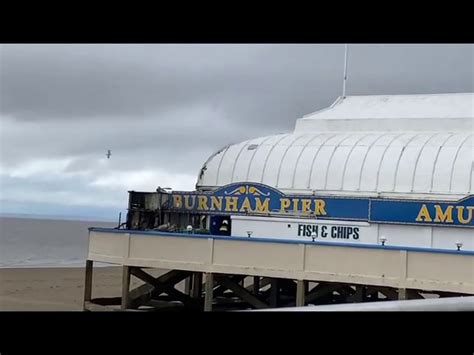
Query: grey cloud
x: 70, y: 81
x: 81, y: 81
x: 134, y: 144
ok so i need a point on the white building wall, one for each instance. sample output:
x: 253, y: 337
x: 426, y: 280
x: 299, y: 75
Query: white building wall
x: 369, y: 233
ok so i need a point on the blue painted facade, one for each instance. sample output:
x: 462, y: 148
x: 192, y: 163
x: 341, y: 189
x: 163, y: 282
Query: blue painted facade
x: 258, y: 199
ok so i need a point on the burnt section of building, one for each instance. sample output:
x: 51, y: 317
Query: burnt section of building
x: 151, y: 211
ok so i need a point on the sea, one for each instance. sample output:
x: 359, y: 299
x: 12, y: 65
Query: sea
x: 44, y: 242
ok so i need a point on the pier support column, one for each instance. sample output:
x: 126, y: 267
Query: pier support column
x: 360, y: 294
x: 402, y: 293
x: 187, y: 286
x: 300, y: 293
x: 88, y: 282
x: 209, y: 288
x: 256, y: 285
x: 196, y: 288
x: 125, y: 287
x: 274, y: 292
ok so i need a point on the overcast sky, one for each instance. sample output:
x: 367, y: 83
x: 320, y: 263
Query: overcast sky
x: 163, y: 109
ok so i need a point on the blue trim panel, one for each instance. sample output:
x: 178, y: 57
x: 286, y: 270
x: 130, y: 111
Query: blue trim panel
x: 258, y: 199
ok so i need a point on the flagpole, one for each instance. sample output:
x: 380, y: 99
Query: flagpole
x: 345, y: 72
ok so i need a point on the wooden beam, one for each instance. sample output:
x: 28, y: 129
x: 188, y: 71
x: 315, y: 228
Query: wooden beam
x: 264, y: 281
x: 371, y: 290
x: 140, y: 293
x: 144, y: 291
x: 321, y: 290
x: 144, y: 276
x: 219, y: 289
x: 413, y: 295
x: 346, y: 291
x: 359, y: 295
x: 374, y: 296
x: 209, y: 296
x: 274, y: 292
x: 402, y: 293
x: 176, y: 278
x: 241, y: 292
x: 300, y: 293
x: 88, y: 283
x: 388, y: 292
x: 256, y: 285
x: 180, y: 296
x: 187, y: 285
x: 287, y: 287
x: 165, y: 283
x: 196, y: 288
x: 125, y: 287
x: 171, y: 277
x: 90, y: 306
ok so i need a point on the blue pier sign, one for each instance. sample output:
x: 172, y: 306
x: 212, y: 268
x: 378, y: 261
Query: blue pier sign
x: 259, y: 199
x: 459, y: 213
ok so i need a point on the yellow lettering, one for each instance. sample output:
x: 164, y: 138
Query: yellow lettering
x: 177, y: 201
x: 305, y: 206
x: 216, y: 203
x: 447, y: 216
x: 202, y: 203
x: 186, y: 202
x: 246, y: 206
x: 424, y: 215
x: 461, y: 214
x: 320, y: 207
x: 231, y: 203
x: 262, y: 207
x: 295, y: 204
x: 284, y: 204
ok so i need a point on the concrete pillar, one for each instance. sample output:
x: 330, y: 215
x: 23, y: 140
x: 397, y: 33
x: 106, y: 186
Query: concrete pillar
x: 209, y: 288
x: 402, y: 293
x: 196, y: 288
x: 125, y: 287
x: 187, y: 285
x: 300, y: 293
x: 256, y: 285
x: 274, y: 293
x: 88, y: 282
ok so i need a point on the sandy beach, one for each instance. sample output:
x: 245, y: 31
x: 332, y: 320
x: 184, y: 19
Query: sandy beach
x: 56, y: 289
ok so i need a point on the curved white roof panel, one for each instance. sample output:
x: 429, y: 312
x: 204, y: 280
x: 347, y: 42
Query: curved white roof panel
x: 393, y: 113
x: 399, y: 106
x: 348, y: 159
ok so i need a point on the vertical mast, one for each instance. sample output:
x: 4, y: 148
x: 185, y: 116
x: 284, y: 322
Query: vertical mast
x: 345, y: 72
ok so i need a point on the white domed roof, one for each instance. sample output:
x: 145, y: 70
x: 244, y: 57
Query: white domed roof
x: 362, y: 146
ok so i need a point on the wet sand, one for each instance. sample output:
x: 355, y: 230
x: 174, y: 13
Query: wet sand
x: 57, y: 289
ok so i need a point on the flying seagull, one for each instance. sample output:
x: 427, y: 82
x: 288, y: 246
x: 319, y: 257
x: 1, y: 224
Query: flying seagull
x: 108, y: 154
